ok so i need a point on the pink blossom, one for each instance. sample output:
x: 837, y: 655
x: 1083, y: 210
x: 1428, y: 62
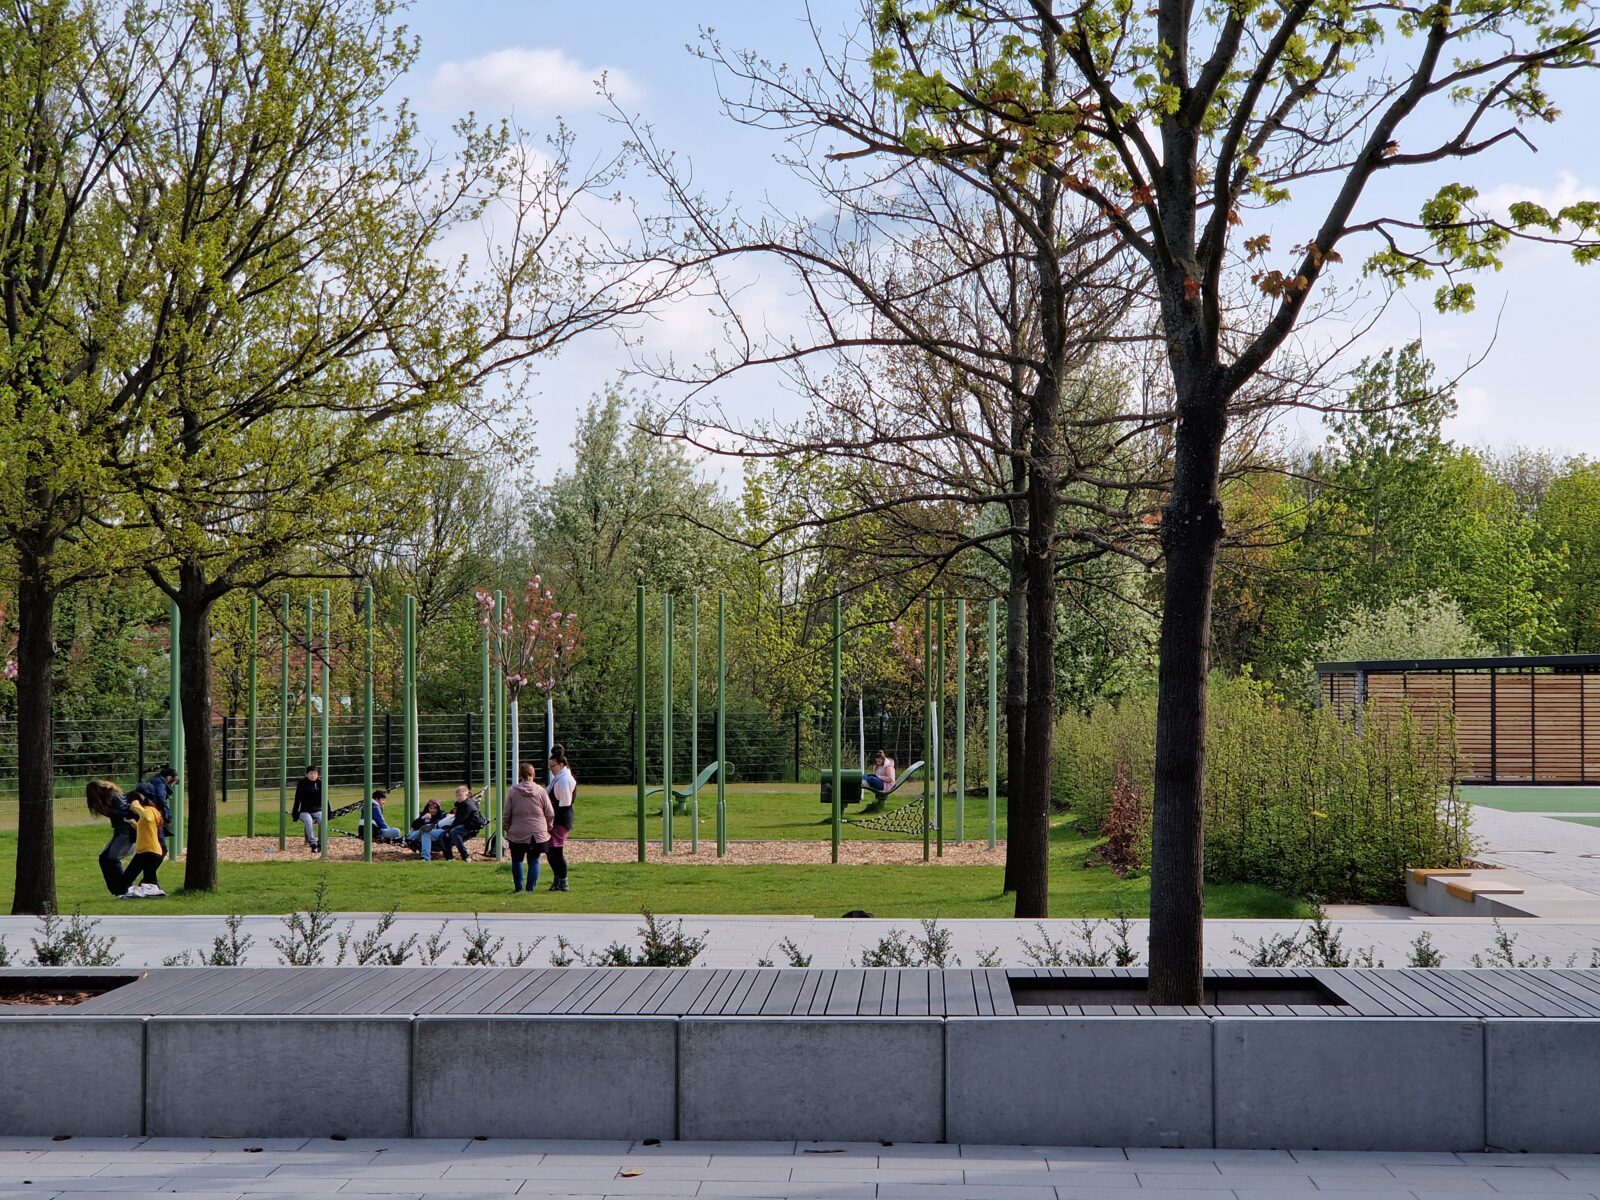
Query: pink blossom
x: 11, y: 668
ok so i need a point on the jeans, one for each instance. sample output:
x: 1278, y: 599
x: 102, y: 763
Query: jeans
x: 313, y: 823
x: 872, y: 783
x: 531, y: 852
x: 425, y: 840
x: 143, y: 864
x: 121, y: 843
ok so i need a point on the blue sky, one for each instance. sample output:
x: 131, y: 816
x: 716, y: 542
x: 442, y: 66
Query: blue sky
x: 536, y: 58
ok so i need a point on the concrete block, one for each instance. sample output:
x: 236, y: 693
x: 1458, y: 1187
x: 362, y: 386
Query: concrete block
x: 1349, y: 1083
x: 827, y: 1079
x: 1543, y: 1085
x: 278, y: 1076
x: 545, y: 1077
x: 76, y: 1075
x: 1079, y: 1081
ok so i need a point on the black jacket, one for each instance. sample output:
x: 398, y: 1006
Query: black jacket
x: 467, y: 817
x: 307, y: 797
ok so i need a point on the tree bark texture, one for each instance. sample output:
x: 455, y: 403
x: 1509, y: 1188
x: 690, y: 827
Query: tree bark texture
x: 1016, y: 695
x: 1191, y: 533
x: 35, y: 886
x: 199, y: 778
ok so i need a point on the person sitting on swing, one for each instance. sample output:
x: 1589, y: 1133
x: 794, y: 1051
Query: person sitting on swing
x: 881, y: 777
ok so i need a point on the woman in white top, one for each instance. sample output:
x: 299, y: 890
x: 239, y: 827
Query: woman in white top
x: 563, y: 789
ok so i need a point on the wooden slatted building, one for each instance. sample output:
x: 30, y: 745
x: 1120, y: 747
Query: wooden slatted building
x: 1522, y: 720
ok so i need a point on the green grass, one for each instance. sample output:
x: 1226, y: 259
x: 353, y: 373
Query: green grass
x: 761, y: 811
x: 1536, y: 799
x: 1579, y: 820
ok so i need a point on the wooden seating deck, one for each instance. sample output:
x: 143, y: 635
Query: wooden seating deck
x: 785, y: 992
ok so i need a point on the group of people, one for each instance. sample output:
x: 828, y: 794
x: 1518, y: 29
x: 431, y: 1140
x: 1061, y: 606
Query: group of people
x: 537, y: 821
x: 140, y: 826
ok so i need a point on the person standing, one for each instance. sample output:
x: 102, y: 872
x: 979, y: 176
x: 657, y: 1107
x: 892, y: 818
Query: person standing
x: 308, y: 806
x: 528, y: 817
x: 563, y: 791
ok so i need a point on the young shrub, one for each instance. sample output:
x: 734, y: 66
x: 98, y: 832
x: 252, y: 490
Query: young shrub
x: 71, y: 942
x: 436, y: 946
x: 1424, y: 953
x: 892, y: 950
x: 1503, y: 953
x: 793, y: 953
x: 373, y: 948
x: 306, y: 935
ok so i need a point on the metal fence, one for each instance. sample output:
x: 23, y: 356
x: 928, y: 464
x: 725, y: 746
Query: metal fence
x: 761, y: 747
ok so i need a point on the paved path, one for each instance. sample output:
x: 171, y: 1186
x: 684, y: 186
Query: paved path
x: 423, y: 1170
x: 1558, y: 851
x: 149, y: 940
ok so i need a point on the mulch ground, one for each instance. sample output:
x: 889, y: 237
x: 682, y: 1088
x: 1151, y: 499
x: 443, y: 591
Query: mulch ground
x: 740, y: 854
x: 45, y: 999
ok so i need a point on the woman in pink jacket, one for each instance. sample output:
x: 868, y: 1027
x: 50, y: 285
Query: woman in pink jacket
x: 528, y: 817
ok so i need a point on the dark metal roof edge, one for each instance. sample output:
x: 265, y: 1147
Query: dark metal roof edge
x: 1512, y: 661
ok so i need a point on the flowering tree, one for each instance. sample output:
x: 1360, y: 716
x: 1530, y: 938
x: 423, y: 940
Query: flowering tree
x: 533, y: 644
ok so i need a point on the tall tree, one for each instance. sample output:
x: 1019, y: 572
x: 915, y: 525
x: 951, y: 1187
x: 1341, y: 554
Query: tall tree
x: 305, y: 340
x: 69, y: 114
x: 1181, y: 123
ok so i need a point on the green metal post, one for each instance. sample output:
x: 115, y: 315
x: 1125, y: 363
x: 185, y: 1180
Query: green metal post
x: 722, y: 725
x: 175, y: 728
x: 366, y: 722
x: 961, y: 720
x: 502, y: 765
x: 666, y: 724
x: 488, y: 716
x: 405, y: 709
x: 283, y: 733
x: 414, y: 759
x: 694, y: 723
x: 838, y: 721
x: 638, y: 715
x: 927, y: 723
x: 311, y: 681
x: 327, y: 707
x: 939, y: 721
x: 994, y: 692
x: 251, y: 714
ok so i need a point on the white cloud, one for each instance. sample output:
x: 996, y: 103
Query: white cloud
x: 527, y: 81
x: 1567, y: 190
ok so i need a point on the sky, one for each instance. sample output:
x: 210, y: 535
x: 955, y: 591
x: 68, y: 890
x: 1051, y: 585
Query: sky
x: 1533, y: 337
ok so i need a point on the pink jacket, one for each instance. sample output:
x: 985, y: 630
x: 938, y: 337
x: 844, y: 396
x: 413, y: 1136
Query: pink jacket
x: 528, y: 813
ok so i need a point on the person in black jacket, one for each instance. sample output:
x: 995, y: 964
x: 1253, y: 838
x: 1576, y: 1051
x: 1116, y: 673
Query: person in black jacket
x: 157, y: 791
x: 465, y: 826
x: 308, y: 806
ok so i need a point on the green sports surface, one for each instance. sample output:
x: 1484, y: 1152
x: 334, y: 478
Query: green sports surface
x: 1536, y: 799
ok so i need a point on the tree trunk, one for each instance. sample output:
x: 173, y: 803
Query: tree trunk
x: 1191, y: 532
x: 1016, y: 694
x: 199, y: 778
x: 35, y: 887
x: 1029, y: 841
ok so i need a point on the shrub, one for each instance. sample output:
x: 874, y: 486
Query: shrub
x: 1296, y: 799
x: 71, y: 942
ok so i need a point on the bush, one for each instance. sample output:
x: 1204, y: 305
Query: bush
x: 1296, y: 799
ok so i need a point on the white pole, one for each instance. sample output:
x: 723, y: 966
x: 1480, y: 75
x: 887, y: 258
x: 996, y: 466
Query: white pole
x: 516, y: 748
x: 549, y: 724
x: 934, y: 758
x: 861, y: 726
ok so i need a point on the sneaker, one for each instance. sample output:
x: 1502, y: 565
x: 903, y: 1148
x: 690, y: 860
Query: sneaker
x: 150, y: 891
x: 560, y: 885
x: 130, y: 894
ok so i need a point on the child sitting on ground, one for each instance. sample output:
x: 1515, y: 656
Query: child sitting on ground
x: 147, y: 854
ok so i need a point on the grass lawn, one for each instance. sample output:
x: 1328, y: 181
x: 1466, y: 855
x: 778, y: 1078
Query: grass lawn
x: 1536, y: 799
x: 756, y: 812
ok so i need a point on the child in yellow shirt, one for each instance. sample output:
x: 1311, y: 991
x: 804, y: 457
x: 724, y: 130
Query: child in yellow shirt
x: 147, y: 855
